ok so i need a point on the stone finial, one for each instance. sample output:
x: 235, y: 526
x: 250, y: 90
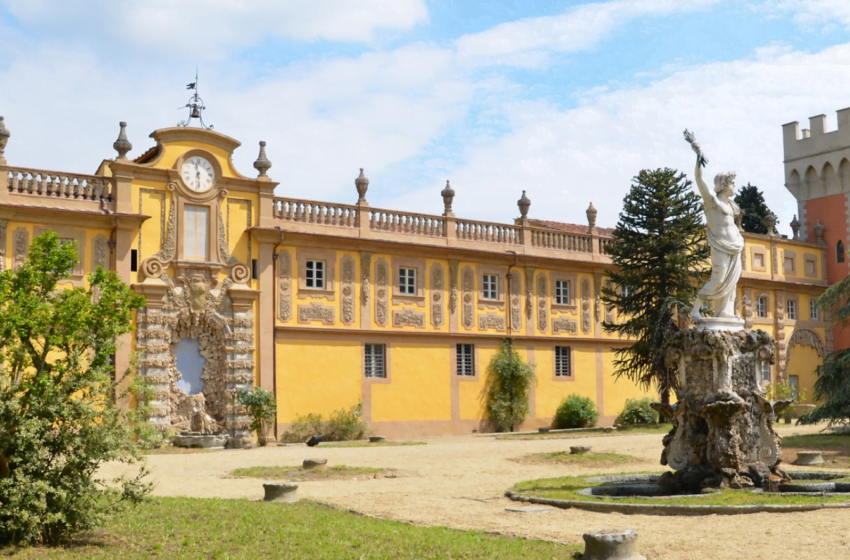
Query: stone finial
x: 795, y: 228
x: 523, y: 203
x: 122, y: 145
x: 818, y: 231
x: 4, y: 138
x: 770, y: 222
x: 262, y: 164
x: 448, y: 196
x: 591, y: 216
x: 362, y: 184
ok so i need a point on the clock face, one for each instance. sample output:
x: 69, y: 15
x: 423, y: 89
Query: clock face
x: 198, y: 173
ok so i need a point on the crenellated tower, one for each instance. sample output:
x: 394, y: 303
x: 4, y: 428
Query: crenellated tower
x: 817, y: 173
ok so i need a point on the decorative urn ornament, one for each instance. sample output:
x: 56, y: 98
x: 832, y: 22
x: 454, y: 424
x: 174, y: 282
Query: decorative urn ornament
x: 591, y: 216
x: 523, y: 203
x: 4, y: 138
x: 448, y: 196
x: 818, y: 231
x: 262, y: 164
x: 795, y: 228
x: 770, y: 222
x: 362, y: 184
x: 122, y: 145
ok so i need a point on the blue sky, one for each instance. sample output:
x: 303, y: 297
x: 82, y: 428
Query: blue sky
x: 566, y: 100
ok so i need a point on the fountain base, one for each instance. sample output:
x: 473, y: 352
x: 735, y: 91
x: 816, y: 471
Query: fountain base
x: 722, y: 424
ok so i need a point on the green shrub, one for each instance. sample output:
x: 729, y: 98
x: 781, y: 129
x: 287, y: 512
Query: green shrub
x: 637, y: 412
x: 58, y: 418
x: 146, y: 435
x: 509, y: 380
x: 576, y: 411
x: 261, y: 408
x: 341, y: 425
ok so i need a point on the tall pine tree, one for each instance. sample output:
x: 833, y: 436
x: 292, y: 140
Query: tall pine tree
x: 832, y: 387
x: 755, y: 210
x: 660, y: 258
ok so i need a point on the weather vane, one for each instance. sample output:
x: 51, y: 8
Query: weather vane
x: 195, y: 106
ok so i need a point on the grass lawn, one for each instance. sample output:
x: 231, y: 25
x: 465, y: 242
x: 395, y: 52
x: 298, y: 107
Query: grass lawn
x: 660, y: 429
x: 567, y: 487
x: 835, y: 447
x: 600, y: 460
x: 184, y: 528
x: 299, y: 473
x: 366, y: 443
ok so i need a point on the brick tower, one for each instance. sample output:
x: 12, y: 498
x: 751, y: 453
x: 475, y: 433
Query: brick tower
x: 817, y: 172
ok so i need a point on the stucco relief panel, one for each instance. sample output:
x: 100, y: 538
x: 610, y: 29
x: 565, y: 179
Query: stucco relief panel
x: 382, y: 295
x: 437, y: 295
x: 347, y: 265
x: 284, y: 285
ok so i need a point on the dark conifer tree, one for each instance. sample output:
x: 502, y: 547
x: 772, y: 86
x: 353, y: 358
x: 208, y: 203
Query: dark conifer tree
x: 755, y: 210
x: 660, y: 258
x: 832, y: 387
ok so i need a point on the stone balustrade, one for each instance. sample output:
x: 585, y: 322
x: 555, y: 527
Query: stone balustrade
x: 488, y: 232
x: 361, y: 220
x: 311, y: 212
x: 563, y: 241
x: 405, y: 222
x: 21, y: 180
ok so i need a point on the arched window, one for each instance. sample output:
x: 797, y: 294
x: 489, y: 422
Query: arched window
x: 839, y: 251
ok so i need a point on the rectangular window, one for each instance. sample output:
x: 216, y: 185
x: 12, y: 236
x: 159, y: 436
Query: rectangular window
x: 761, y: 307
x: 813, y: 309
x: 791, y: 306
x: 562, y: 292
x: 794, y: 382
x: 491, y: 286
x: 195, y: 232
x: 765, y: 371
x: 465, y: 360
x: 375, y: 364
x: 407, y: 281
x: 562, y: 361
x: 315, y: 275
x: 64, y: 241
x: 134, y: 260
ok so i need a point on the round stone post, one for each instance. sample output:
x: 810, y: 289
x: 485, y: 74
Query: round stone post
x: 611, y: 544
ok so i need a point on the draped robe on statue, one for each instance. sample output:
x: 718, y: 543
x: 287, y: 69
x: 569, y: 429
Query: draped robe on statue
x: 725, y: 267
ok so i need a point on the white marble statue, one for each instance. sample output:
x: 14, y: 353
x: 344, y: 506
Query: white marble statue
x: 726, y: 245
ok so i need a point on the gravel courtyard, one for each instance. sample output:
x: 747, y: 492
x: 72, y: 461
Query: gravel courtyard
x: 460, y: 482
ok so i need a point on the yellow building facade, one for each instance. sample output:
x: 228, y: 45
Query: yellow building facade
x: 329, y: 305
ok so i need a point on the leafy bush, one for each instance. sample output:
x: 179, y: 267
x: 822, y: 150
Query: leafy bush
x: 576, y: 411
x: 58, y: 418
x: 509, y: 380
x: 145, y: 434
x: 637, y: 412
x: 341, y: 425
x: 262, y: 408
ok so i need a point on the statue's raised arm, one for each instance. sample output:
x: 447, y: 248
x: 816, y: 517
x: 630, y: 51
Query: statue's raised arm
x: 726, y: 246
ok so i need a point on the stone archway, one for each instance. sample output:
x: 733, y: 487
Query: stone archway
x: 805, y: 337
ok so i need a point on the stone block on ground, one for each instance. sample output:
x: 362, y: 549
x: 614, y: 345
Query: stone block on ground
x: 376, y: 439
x: 543, y: 430
x: 529, y: 509
x: 809, y: 458
x: 611, y: 544
x: 315, y: 464
x: 579, y: 449
x: 280, y: 492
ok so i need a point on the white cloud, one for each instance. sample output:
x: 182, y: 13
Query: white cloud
x: 211, y: 29
x: 527, y: 42
x: 322, y: 121
x: 813, y: 13
x: 567, y: 158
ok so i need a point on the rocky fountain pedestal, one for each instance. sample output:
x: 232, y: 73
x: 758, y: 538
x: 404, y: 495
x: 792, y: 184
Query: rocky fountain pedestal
x: 723, y: 426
